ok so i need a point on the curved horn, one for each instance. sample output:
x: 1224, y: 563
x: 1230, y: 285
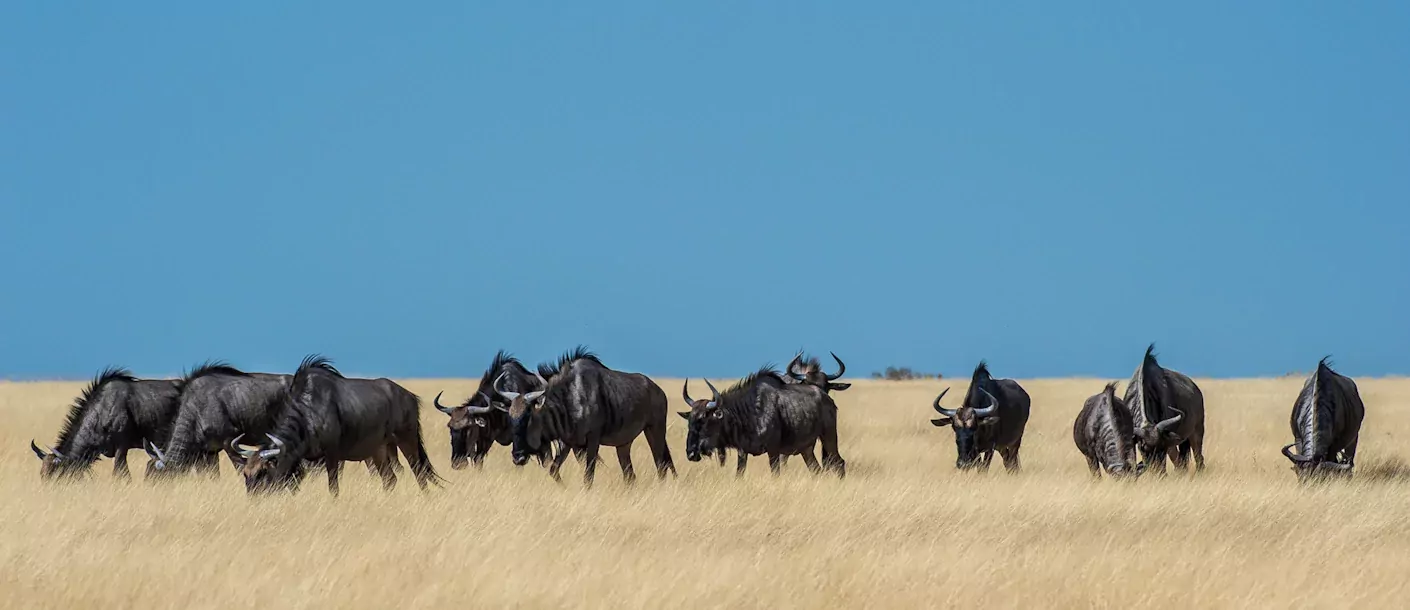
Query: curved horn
x: 510, y: 396
x: 841, y: 368
x: 685, y: 393
x: 1166, y: 425
x: 244, y: 453
x: 489, y: 405
x: 153, y: 450
x: 942, y: 410
x: 276, y: 440
x: 37, y: 451
x: 713, y: 391
x: 989, y: 410
x: 440, y: 407
x: 793, y: 364
x: 542, y: 382
x: 1298, y: 459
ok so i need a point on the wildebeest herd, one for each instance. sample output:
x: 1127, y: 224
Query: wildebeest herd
x: 276, y: 429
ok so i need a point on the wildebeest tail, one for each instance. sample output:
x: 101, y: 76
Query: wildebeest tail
x: 421, y: 466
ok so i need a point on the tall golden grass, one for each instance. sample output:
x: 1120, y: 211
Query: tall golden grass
x: 904, y: 529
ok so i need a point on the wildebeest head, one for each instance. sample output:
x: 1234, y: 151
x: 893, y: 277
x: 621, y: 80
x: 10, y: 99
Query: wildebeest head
x: 969, y: 423
x: 54, y: 465
x: 810, y: 371
x: 1154, y: 438
x: 1314, y: 467
x: 260, y: 466
x: 523, y: 419
x: 704, y: 418
x: 469, y: 427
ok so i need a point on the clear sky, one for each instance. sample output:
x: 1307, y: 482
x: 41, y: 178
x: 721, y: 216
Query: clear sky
x: 698, y: 188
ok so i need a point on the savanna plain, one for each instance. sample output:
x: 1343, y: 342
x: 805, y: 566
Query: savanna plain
x: 904, y: 529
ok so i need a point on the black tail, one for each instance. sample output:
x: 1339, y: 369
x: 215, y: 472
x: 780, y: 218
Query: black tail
x: 421, y: 466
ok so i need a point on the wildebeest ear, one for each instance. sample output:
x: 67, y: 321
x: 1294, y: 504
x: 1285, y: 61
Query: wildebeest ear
x: 944, y: 421
x: 838, y: 387
x: 685, y: 415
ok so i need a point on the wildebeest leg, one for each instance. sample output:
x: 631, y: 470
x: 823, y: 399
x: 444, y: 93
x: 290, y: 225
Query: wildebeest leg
x: 120, y: 465
x: 830, y: 457
x: 1177, y: 456
x: 1010, y: 455
x: 743, y: 461
x: 624, y: 457
x: 812, y: 462
x: 382, y: 462
x: 557, y: 463
x: 775, y: 464
x: 1349, y: 456
x: 986, y: 460
x: 332, y: 466
x: 661, y: 452
x: 1197, y: 445
x: 721, y: 454
x: 392, y: 457
x: 1155, y: 461
x: 1095, y: 467
x: 208, y: 464
x: 589, y: 453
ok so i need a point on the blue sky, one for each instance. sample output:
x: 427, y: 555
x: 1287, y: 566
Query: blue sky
x: 698, y: 188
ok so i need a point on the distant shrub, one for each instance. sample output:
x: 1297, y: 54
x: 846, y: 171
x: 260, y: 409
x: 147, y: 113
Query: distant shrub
x: 903, y: 373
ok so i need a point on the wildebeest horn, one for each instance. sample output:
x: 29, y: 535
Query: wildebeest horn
x: 1300, y: 459
x: 685, y: 393
x: 1166, y: 425
x: 154, y: 451
x: 942, y: 410
x: 841, y: 368
x: 713, y: 391
x: 439, y: 407
x: 244, y: 453
x: 989, y: 410
x: 41, y: 452
x: 278, y: 443
x: 532, y: 396
x: 505, y: 393
x: 489, y: 405
x: 792, y: 364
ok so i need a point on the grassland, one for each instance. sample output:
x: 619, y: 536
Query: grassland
x: 903, y: 530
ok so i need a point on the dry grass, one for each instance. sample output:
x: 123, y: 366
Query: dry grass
x: 903, y: 530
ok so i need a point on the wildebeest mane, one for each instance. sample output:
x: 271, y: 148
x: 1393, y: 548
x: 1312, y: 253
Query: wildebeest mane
x: 981, y: 379
x: 501, y: 359
x: 313, y: 362
x: 744, y: 385
x: 208, y: 368
x: 547, y: 371
x: 80, y: 406
x: 1153, y: 390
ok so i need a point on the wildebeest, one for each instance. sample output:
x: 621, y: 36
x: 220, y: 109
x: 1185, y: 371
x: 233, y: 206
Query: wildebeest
x: 1326, y: 424
x: 476, y: 425
x: 113, y: 415
x: 808, y: 370
x: 1106, y: 437
x: 992, y: 417
x: 218, y: 403
x: 332, y: 419
x: 586, y: 405
x: 763, y: 414
x: 1167, y: 409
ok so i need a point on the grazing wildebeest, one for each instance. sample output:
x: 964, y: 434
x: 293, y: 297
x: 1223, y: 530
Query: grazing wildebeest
x: 809, y: 370
x: 763, y: 414
x: 476, y: 425
x: 1106, y: 437
x: 1167, y: 409
x: 331, y: 419
x: 992, y: 416
x: 217, y: 403
x: 586, y: 405
x: 114, y: 414
x: 1326, y: 425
